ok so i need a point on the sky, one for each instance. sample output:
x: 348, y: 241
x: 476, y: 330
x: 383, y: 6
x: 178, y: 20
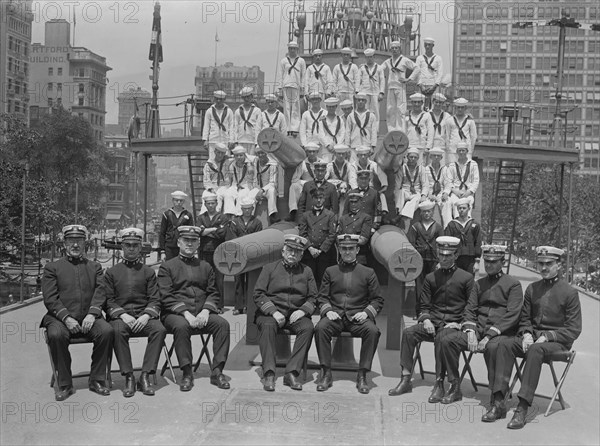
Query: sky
x: 250, y: 33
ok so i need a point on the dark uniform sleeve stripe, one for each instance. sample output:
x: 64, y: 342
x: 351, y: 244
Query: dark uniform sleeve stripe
x: 371, y: 310
x: 210, y: 306
x: 325, y: 308
x: 268, y: 307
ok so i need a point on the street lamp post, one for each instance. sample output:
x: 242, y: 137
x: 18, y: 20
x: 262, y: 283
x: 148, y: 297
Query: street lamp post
x: 25, y: 175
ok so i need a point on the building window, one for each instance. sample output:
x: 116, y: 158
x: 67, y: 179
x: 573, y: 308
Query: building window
x: 50, y: 71
x: 81, y: 72
x: 59, y: 71
x: 50, y: 88
x: 59, y: 87
x: 59, y: 102
x: 50, y: 103
x: 80, y: 101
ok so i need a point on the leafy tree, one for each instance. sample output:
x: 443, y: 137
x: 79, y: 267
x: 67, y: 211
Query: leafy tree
x: 60, y: 152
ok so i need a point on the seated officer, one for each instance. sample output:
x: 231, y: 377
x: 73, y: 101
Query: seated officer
x: 492, y: 313
x: 68, y: 286
x: 349, y: 300
x: 132, y: 300
x: 550, y: 322
x: 285, y: 295
x: 190, y: 301
x: 443, y: 300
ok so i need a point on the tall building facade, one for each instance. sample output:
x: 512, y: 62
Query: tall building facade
x: 66, y: 76
x: 127, y: 101
x: 504, y: 70
x: 229, y: 78
x: 15, y: 45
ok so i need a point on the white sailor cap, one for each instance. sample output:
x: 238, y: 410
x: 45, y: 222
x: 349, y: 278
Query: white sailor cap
x: 246, y: 91
x: 346, y: 50
x: 292, y: 44
x: 429, y: 40
x: 426, y: 205
x: 317, y: 52
x: 369, y: 52
x: 360, y: 150
x: 221, y: 147
x: 220, y: 94
x: 438, y: 97
x: 417, y: 97
x: 209, y: 196
x: 180, y: 195
x: 460, y: 101
x: 239, y: 150
x: 463, y: 201
x: 332, y: 101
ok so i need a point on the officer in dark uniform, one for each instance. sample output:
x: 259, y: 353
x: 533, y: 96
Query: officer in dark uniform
x: 68, y: 286
x: 285, y: 295
x: 171, y: 220
x: 331, y: 200
x: 133, y: 306
x: 190, y: 301
x: 318, y: 225
x: 349, y: 300
x: 492, y: 313
x: 214, y: 227
x: 239, y: 226
x: 355, y: 221
x: 550, y: 323
x: 422, y: 235
x: 443, y: 300
x: 369, y: 198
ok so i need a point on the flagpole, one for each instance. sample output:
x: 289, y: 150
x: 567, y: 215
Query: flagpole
x: 216, y: 43
x: 74, y: 24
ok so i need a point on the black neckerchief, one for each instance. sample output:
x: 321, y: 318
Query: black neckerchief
x: 243, y: 116
x: 292, y: 65
x: 437, y: 125
x: 346, y: 78
x: 218, y: 120
x: 429, y: 62
x: 418, y: 123
x: 337, y: 128
x: 271, y: 124
x: 362, y: 128
x: 394, y: 66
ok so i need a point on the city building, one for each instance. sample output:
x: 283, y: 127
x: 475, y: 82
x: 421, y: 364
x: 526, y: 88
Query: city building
x: 15, y: 44
x: 510, y: 74
x: 123, y: 182
x: 127, y: 101
x: 62, y: 75
x: 229, y: 78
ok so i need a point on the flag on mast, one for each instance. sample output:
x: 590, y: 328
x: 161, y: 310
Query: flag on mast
x: 216, y: 36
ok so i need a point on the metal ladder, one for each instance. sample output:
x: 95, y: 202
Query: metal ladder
x: 195, y: 168
x: 506, y: 204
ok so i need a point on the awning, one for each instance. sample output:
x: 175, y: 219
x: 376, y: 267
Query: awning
x: 113, y: 215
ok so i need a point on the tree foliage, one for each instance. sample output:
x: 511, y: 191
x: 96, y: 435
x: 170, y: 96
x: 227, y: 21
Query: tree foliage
x: 62, y: 156
x: 542, y: 220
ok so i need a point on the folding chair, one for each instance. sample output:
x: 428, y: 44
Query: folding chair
x: 205, y: 338
x: 72, y: 341
x: 568, y: 357
x: 283, y: 352
x: 137, y: 336
x: 466, y: 368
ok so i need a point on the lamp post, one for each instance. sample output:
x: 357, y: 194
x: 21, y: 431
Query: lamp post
x: 25, y: 175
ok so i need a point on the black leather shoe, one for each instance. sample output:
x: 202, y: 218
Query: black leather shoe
x: 404, y: 386
x: 220, y: 381
x: 325, y: 383
x: 453, y: 394
x: 290, y: 380
x: 144, y: 385
x: 187, y: 382
x: 99, y: 388
x: 64, y: 393
x: 129, y: 389
x: 437, y: 394
x: 361, y: 383
x: 518, y: 419
x: 496, y: 412
x: 269, y: 382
